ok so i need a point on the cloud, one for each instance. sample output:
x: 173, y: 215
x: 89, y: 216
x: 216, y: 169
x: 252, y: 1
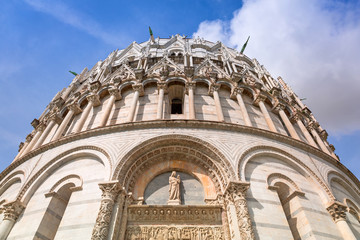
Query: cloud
x: 313, y: 45
x: 77, y: 19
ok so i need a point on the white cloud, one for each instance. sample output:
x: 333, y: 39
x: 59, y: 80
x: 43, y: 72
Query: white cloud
x: 77, y: 19
x: 313, y: 45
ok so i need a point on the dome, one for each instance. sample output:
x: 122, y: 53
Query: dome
x: 178, y: 138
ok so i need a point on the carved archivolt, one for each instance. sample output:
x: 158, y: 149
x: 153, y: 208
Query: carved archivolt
x: 72, y: 178
x: 191, y: 149
x: 282, y: 155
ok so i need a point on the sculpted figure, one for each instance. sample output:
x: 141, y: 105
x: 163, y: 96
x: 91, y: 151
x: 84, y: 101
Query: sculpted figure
x: 174, y: 189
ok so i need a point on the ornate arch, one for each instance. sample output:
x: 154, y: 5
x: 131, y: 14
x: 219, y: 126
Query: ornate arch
x: 285, y: 156
x: 35, y: 181
x: 72, y: 178
x: 185, y: 149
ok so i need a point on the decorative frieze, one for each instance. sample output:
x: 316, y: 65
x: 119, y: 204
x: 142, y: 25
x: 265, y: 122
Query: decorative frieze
x: 177, y: 214
x: 175, y: 232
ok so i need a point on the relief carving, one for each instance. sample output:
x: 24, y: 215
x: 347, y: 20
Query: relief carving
x: 174, y: 189
x: 110, y: 191
x: 174, y: 233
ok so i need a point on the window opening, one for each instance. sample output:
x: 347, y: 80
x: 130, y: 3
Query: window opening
x: 176, y: 106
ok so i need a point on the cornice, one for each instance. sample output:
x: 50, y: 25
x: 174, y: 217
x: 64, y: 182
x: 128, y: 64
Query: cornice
x: 197, y: 124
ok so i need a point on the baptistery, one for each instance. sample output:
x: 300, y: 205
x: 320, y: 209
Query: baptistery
x: 178, y: 139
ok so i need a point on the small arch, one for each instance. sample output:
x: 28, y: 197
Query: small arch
x: 274, y: 178
x: 299, y: 165
x: 72, y: 178
x: 203, y: 80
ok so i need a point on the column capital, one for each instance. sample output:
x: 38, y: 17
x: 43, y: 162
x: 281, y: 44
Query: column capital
x: 115, y: 92
x: 337, y: 211
x: 236, y: 190
x: 190, y: 85
x: 41, y: 127
x: 312, y: 125
x: 324, y: 135
x: 213, y: 87
x: 12, y: 210
x: 295, y: 117
x: 94, y: 98
x: 94, y: 86
x: 260, y: 97
x: 278, y: 106
x: 29, y: 137
x: 235, y: 91
x: 74, y: 107
x: 275, y: 91
x: 55, y: 117
x: 139, y: 88
x: 110, y: 190
x: 162, y: 85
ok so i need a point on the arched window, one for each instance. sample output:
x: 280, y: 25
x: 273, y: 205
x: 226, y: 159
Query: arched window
x: 54, y: 212
x: 176, y: 106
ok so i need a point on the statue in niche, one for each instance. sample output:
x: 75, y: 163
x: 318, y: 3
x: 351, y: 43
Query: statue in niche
x: 174, y: 189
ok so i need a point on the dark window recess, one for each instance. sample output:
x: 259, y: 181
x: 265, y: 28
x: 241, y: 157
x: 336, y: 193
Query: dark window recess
x: 176, y: 106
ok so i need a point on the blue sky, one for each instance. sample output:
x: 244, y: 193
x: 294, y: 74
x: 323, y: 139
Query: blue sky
x: 313, y: 45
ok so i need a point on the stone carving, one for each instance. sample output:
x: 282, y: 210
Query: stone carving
x: 174, y: 233
x: 235, y: 195
x: 174, y: 189
x: 147, y: 214
x: 110, y: 191
x: 337, y: 211
x: 12, y: 210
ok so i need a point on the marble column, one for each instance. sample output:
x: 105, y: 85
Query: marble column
x: 235, y: 197
x: 114, y: 95
x: 213, y: 90
x: 116, y: 222
x: 259, y: 100
x: 138, y: 88
x: 309, y: 139
x: 93, y: 101
x: 190, y: 87
x: 161, y: 89
x: 280, y: 109
x: 53, y: 120
x: 237, y: 92
x: 12, y: 211
x: 27, y: 141
x: 110, y: 191
x: 39, y: 129
x: 312, y: 128
x: 73, y: 109
x: 123, y: 224
x: 337, y: 211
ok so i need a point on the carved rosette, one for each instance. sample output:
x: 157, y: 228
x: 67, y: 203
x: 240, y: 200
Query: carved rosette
x: 337, y: 211
x: 110, y: 190
x: 235, y: 194
x: 12, y: 210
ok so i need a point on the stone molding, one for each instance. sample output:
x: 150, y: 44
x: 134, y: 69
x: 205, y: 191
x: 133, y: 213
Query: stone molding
x: 110, y: 191
x: 187, y: 124
x: 337, y: 211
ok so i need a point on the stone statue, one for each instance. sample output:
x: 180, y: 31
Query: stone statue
x: 174, y: 189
